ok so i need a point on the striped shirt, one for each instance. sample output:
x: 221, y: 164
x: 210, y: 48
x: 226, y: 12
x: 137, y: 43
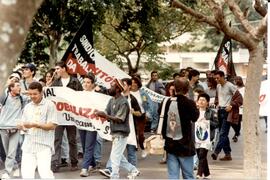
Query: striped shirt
x: 37, y: 139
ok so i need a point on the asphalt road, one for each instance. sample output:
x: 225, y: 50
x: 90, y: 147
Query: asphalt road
x: 151, y: 169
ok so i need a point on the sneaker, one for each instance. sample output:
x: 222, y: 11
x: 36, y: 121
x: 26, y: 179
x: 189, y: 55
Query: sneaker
x: 74, y: 167
x: 226, y: 158
x: 5, y: 176
x: 144, y: 154
x: 84, y: 173
x: 133, y: 174
x: 92, y: 169
x: 105, y: 172
x: 214, y: 156
x: 207, y: 177
x: 55, y: 168
x: 235, y: 138
x: 63, y: 163
x: 199, y: 177
x: 16, y: 173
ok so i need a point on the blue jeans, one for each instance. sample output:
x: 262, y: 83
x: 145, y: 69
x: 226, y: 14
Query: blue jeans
x: 98, y: 149
x: 224, y: 142
x: 155, y: 116
x: 131, y: 154
x: 117, y: 158
x: 88, y: 140
x: 175, y: 163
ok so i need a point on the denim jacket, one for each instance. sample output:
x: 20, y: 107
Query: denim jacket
x: 147, y: 103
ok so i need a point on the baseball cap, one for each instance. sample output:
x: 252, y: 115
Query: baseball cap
x: 30, y: 66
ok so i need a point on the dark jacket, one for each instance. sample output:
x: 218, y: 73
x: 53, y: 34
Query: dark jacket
x: 236, y: 102
x: 188, y: 113
x: 211, y: 115
x: 74, y: 83
x: 119, y: 108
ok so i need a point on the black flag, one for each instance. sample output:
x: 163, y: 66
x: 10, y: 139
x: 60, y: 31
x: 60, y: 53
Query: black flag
x: 223, y: 60
x: 79, y: 56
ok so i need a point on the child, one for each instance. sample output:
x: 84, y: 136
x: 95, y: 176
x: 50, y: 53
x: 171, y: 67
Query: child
x: 204, y: 133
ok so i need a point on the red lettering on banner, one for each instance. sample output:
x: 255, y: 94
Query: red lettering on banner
x: 262, y: 98
x: 75, y: 66
x: 59, y: 106
x: 79, y: 111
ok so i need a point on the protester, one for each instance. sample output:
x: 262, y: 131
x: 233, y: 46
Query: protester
x: 146, y: 106
x: 177, y: 132
x: 194, y: 85
x: 39, y: 120
x: 206, y: 114
x: 228, y: 101
x: 170, y: 91
x: 50, y: 76
x: 65, y: 80
x: 134, y: 111
x: 12, y: 105
x: 117, y: 112
x: 88, y: 138
x: 29, y: 72
x: 155, y: 85
x: 237, y: 127
x: 14, y: 77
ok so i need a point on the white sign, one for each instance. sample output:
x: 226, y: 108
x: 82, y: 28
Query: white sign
x: 78, y: 108
x: 202, y: 134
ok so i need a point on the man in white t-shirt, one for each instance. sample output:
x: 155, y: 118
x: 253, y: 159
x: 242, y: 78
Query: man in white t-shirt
x: 228, y: 100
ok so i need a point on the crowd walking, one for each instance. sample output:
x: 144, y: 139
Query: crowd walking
x: 197, y: 119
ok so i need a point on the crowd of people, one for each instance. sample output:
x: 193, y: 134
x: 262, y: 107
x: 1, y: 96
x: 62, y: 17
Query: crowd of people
x: 31, y: 134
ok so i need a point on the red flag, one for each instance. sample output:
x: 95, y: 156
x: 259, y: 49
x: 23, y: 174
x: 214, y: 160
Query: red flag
x: 223, y: 60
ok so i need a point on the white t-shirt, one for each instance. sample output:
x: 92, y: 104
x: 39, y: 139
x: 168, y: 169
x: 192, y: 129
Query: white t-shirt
x: 225, y: 93
x: 65, y: 81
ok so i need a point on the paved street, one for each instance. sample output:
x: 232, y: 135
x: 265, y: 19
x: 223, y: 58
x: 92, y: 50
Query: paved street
x: 151, y: 169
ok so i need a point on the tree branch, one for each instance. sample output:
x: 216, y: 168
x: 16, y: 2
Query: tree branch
x: 259, y: 8
x: 241, y: 17
x: 261, y: 28
x: 116, y: 45
x: 218, y: 22
x: 199, y: 16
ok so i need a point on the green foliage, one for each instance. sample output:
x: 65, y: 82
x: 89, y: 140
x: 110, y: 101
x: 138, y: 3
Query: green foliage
x: 165, y: 71
x: 56, y: 23
x: 138, y: 29
x: 121, y: 28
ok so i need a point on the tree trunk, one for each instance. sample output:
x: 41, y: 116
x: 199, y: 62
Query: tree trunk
x: 15, y: 20
x: 53, y: 52
x: 251, y: 125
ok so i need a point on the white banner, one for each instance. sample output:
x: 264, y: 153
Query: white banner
x: 106, y: 71
x: 78, y: 108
